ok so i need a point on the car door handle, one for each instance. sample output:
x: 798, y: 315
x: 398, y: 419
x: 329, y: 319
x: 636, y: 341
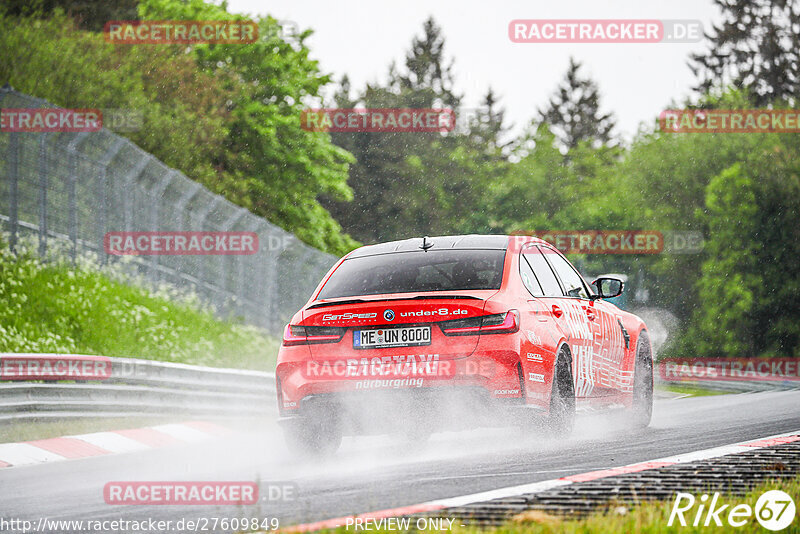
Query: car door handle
x: 557, y: 311
x: 589, y: 313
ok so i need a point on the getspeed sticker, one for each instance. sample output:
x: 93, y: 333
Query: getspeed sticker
x: 346, y: 316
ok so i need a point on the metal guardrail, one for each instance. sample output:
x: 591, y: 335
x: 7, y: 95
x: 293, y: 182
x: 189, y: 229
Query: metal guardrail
x: 138, y: 388
x: 730, y: 386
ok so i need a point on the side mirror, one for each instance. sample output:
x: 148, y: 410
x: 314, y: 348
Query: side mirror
x: 607, y: 287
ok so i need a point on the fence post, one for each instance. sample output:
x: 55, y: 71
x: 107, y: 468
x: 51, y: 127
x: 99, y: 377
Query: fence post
x: 102, y: 195
x: 72, y: 180
x: 238, y: 259
x: 255, y: 290
x: 13, y: 171
x: 271, y: 285
x: 128, y: 182
x: 180, y: 205
x: 189, y: 262
x: 43, y: 194
x: 200, y: 219
x: 155, y: 216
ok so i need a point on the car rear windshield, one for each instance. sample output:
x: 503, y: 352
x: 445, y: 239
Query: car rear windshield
x: 408, y: 272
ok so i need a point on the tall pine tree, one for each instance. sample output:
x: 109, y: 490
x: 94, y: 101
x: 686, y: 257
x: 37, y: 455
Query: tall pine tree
x: 755, y: 48
x: 573, y: 113
x: 413, y: 183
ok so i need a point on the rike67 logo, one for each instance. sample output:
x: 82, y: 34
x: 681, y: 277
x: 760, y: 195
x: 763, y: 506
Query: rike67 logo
x: 774, y: 510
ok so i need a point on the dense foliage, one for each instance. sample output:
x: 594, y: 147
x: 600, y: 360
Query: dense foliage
x: 225, y: 115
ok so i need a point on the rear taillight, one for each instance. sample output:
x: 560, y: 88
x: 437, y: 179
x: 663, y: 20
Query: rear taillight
x: 500, y: 323
x: 302, y: 335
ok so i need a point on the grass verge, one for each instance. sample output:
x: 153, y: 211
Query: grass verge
x: 16, y: 432
x: 87, y: 309
x: 12, y: 432
x: 653, y: 517
x: 694, y: 391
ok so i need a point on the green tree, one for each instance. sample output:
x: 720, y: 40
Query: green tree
x: 276, y: 169
x: 729, y: 283
x: 227, y: 116
x: 535, y: 191
x: 88, y: 14
x: 573, y: 113
x: 776, y: 315
x: 414, y: 183
x: 756, y: 48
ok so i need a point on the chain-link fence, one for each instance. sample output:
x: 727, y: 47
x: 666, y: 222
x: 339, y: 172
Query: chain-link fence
x: 77, y: 187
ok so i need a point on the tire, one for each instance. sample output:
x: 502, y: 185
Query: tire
x: 313, y: 436
x: 561, y: 418
x: 642, y: 404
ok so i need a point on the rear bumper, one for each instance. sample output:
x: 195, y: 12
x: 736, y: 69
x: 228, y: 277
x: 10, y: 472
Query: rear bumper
x: 484, y: 389
x: 435, y: 409
x: 495, y: 372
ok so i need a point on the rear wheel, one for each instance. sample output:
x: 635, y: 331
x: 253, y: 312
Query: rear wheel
x: 642, y: 405
x: 561, y: 418
x: 313, y: 435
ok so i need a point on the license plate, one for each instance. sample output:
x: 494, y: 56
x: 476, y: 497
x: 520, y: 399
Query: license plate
x: 411, y: 336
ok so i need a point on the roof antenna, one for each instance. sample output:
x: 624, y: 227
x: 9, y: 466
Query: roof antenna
x: 425, y: 244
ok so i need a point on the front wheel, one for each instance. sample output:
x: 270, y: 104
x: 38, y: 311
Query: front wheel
x: 642, y: 404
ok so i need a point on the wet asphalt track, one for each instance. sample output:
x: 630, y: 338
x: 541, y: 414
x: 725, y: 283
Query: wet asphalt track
x: 374, y: 473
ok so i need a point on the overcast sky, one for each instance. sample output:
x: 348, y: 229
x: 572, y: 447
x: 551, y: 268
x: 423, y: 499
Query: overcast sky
x: 360, y: 38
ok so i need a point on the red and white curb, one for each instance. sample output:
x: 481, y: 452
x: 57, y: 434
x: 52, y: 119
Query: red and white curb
x: 536, y: 487
x: 102, y: 443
